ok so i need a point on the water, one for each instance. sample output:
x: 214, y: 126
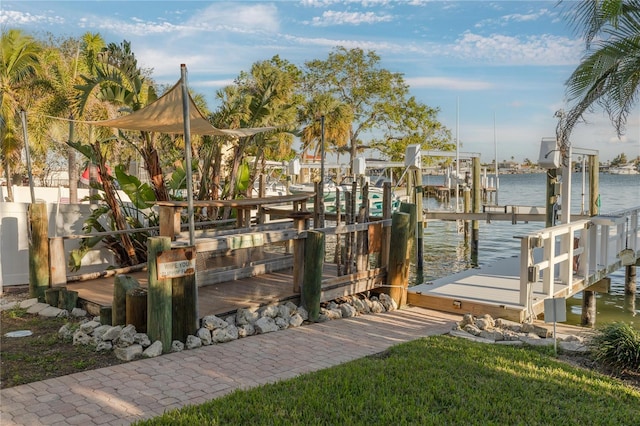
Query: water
x: 445, y: 251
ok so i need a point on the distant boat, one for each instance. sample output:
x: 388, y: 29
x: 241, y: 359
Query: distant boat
x: 627, y: 169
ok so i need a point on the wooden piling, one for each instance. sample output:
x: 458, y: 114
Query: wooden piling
x: 169, y: 220
x: 630, y: 287
x: 419, y: 233
x: 313, y: 263
x: 552, y: 181
x: 386, y: 231
x: 398, y: 270
x: 121, y: 285
x: 52, y: 296
x: 67, y: 299
x: 410, y: 209
x: 184, y: 307
x: 159, y: 326
x: 57, y: 262
x: 38, y: 250
x: 106, y: 315
x: 136, y: 309
x: 588, y: 317
x: 477, y: 208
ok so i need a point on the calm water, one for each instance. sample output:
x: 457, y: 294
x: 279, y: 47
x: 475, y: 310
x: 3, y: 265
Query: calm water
x: 445, y: 251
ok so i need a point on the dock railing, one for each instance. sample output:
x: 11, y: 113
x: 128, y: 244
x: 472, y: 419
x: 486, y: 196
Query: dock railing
x: 578, y: 254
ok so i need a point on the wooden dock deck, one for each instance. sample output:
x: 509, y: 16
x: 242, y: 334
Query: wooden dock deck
x: 227, y: 297
x: 493, y: 289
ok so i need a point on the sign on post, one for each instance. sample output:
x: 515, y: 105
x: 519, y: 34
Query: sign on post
x: 177, y: 262
x: 555, y: 310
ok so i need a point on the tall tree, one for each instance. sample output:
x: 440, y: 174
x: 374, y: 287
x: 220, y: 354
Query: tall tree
x: 609, y: 73
x: 19, y: 65
x: 265, y: 96
x: 376, y: 96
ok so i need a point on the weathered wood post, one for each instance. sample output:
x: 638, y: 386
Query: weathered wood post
x: 184, y: 306
x: 57, y: 263
x: 169, y: 220
x: 121, y: 285
x: 67, y: 299
x: 38, y: 250
x: 477, y: 208
x: 386, y: 231
x: 136, y: 308
x: 552, y: 196
x: 398, y: 271
x: 313, y: 263
x: 410, y: 209
x: 300, y: 224
x: 467, y: 209
x: 588, y: 315
x: 630, y: 280
x: 159, y: 326
x: 420, y: 232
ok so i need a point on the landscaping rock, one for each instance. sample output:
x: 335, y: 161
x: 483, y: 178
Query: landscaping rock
x: 212, y: 322
x: 193, y: 342
x: 154, y: 350
x: 204, y: 334
x: 265, y: 325
x: 50, y: 312
x: 177, y: 346
x: 128, y: 353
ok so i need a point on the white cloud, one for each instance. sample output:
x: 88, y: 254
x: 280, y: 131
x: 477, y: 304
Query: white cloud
x: 243, y: 17
x: 331, y: 17
x: 447, y: 83
x: 15, y: 18
x: 500, y: 49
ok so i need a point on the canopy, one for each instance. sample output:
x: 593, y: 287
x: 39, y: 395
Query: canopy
x: 165, y: 115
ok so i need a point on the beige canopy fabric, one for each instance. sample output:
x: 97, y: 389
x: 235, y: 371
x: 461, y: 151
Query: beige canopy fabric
x: 165, y: 116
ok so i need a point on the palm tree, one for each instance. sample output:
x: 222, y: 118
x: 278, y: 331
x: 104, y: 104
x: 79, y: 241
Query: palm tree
x: 18, y: 67
x: 609, y: 74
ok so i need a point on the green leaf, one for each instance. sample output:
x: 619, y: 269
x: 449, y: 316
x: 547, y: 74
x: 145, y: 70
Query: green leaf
x: 244, y: 172
x: 141, y: 194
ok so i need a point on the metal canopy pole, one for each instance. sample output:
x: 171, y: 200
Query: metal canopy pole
x: 187, y: 152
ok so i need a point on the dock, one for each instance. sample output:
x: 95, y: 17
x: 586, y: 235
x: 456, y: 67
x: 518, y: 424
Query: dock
x: 555, y: 262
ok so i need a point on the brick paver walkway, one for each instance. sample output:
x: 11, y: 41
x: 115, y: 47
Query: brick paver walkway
x: 146, y: 388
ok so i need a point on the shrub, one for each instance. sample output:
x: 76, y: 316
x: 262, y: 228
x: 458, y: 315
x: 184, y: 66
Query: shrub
x: 617, y: 345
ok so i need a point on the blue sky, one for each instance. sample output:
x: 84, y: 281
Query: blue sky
x: 502, y: 59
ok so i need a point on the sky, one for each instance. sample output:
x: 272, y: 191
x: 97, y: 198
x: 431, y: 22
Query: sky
x: 495, y: 69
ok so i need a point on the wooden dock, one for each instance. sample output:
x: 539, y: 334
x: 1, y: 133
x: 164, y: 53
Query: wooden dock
x: 226, y: 297
x: 493, y: 289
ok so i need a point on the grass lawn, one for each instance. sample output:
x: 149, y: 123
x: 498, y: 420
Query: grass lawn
x: 434, y: 381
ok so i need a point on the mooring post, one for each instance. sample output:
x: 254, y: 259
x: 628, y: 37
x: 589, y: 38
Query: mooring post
x: 57, y: 261
x: 410, y: 209
x: 121, y: 285
x: 630, y: 280
x: 386, y: 231
x: 419, y: 232
x: 312, y: 283
x: 38, y: 250
x: 477, y: 208
x: 398, y: 271
x: 184, y: 307
x: 552, y: 197
x: 588, y: 317
x: 159, y: 322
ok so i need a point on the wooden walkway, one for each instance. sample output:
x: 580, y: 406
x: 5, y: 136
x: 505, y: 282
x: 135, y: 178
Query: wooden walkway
x: 493, y: 289
x: 227, y: 297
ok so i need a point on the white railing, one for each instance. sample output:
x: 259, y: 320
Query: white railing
x: 582, y: 252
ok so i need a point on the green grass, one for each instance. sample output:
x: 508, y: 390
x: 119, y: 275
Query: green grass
x: 433, y: 381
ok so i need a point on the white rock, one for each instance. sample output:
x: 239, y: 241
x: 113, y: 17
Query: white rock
x: 104, y: 346
x: 66, y: 332
x: 50, y: 312
x: 388, y: 302
x: 25, y: 304
x: 81, y: 338
x: 112, y: 332
x: 193, y: 342
x: 89, y: 326
x: 142, y: 339
x: 303, y: 313
x: 204, y: 334
x: 265, y: 325
x: 246, y: 316
x: 212, y: 322
x: 296, y: 320
x: 78, y: 313
x: 282, y: 323
x: 177, y: 346
x: 154, y: 350
x: 270, y: 311
x: 509, y: 325
x: 246, y: 330
x: 376, y: 307
x: 128, y: 353
x: 347, y: 310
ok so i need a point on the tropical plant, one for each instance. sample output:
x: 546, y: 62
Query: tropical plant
x: 19, y: 65
x: 265, y: 96
x: 609, y: 73
x: 617, y: 345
